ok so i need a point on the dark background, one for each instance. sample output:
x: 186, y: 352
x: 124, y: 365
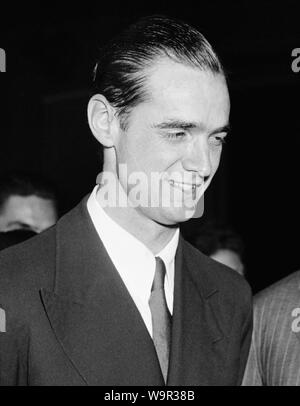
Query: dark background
x: 51, y: 52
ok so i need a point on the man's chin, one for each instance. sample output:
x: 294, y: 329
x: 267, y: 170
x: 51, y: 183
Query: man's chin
x: 174, y: 216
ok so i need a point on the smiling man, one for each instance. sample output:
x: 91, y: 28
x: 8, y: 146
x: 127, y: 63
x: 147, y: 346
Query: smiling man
x: 113, y: 295
x: 177, y: 131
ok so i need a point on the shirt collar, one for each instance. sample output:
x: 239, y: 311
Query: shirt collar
x: 132, y: 259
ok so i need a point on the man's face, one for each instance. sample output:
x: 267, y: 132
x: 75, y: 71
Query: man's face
x: 27, y: 212
x: 177, y: 133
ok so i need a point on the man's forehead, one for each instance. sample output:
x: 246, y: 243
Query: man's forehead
x: 177, y: 92
x: 175, y: 88
x: 165, y: 73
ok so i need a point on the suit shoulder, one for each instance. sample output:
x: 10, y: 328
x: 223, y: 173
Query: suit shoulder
x: 228, y: 281
x: 29, y: 263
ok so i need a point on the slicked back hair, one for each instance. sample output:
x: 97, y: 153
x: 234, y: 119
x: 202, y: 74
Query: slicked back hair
x: 120, y: 73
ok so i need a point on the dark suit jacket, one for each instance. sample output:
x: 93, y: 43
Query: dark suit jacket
x: 274, y: 358
x: 71, y: 321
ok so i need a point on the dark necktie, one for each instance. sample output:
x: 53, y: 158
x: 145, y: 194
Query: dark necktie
x: 161, y: 318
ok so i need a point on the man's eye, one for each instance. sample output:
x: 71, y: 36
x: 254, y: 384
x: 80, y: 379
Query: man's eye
x: 218, y: 139
x: 178, y: 134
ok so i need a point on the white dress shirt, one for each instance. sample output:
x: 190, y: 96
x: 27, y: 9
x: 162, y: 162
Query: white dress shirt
x: 133, y: 260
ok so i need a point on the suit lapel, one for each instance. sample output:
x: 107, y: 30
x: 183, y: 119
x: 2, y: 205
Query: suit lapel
x: 198, y: 349
x: 92, y: 314
x: 100, y: 329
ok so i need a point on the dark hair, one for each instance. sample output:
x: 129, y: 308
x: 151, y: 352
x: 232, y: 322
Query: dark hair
x: 213, y: 238
x: 120, y: 71
x: 26, y: 185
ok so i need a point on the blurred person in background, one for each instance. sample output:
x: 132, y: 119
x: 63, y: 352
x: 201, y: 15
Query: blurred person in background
x: 222, y: 244
x: 26, y: 202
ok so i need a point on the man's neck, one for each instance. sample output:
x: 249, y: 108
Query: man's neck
x: 153, y: 235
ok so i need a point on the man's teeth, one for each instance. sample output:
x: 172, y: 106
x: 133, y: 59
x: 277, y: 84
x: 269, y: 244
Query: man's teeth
x: 183, y: 185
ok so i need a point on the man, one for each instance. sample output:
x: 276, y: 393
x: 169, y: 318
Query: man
x: 274, y: 358
x: 26, y: 202
x: 113, y: 295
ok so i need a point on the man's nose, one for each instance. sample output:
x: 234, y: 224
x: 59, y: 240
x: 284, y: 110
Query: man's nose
x: 197, y: 158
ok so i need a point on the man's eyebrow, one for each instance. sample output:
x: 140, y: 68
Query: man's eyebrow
x: 224, y: 129
x: 186, y: 125
x: 172, y: 124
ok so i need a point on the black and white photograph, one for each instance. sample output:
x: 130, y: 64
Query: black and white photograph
x: 150, y: 196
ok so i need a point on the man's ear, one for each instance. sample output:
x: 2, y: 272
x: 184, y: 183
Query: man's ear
x: 101, y: 117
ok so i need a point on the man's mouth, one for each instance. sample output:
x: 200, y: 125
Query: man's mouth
x: 185, y: 186
x: 189, y: 189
